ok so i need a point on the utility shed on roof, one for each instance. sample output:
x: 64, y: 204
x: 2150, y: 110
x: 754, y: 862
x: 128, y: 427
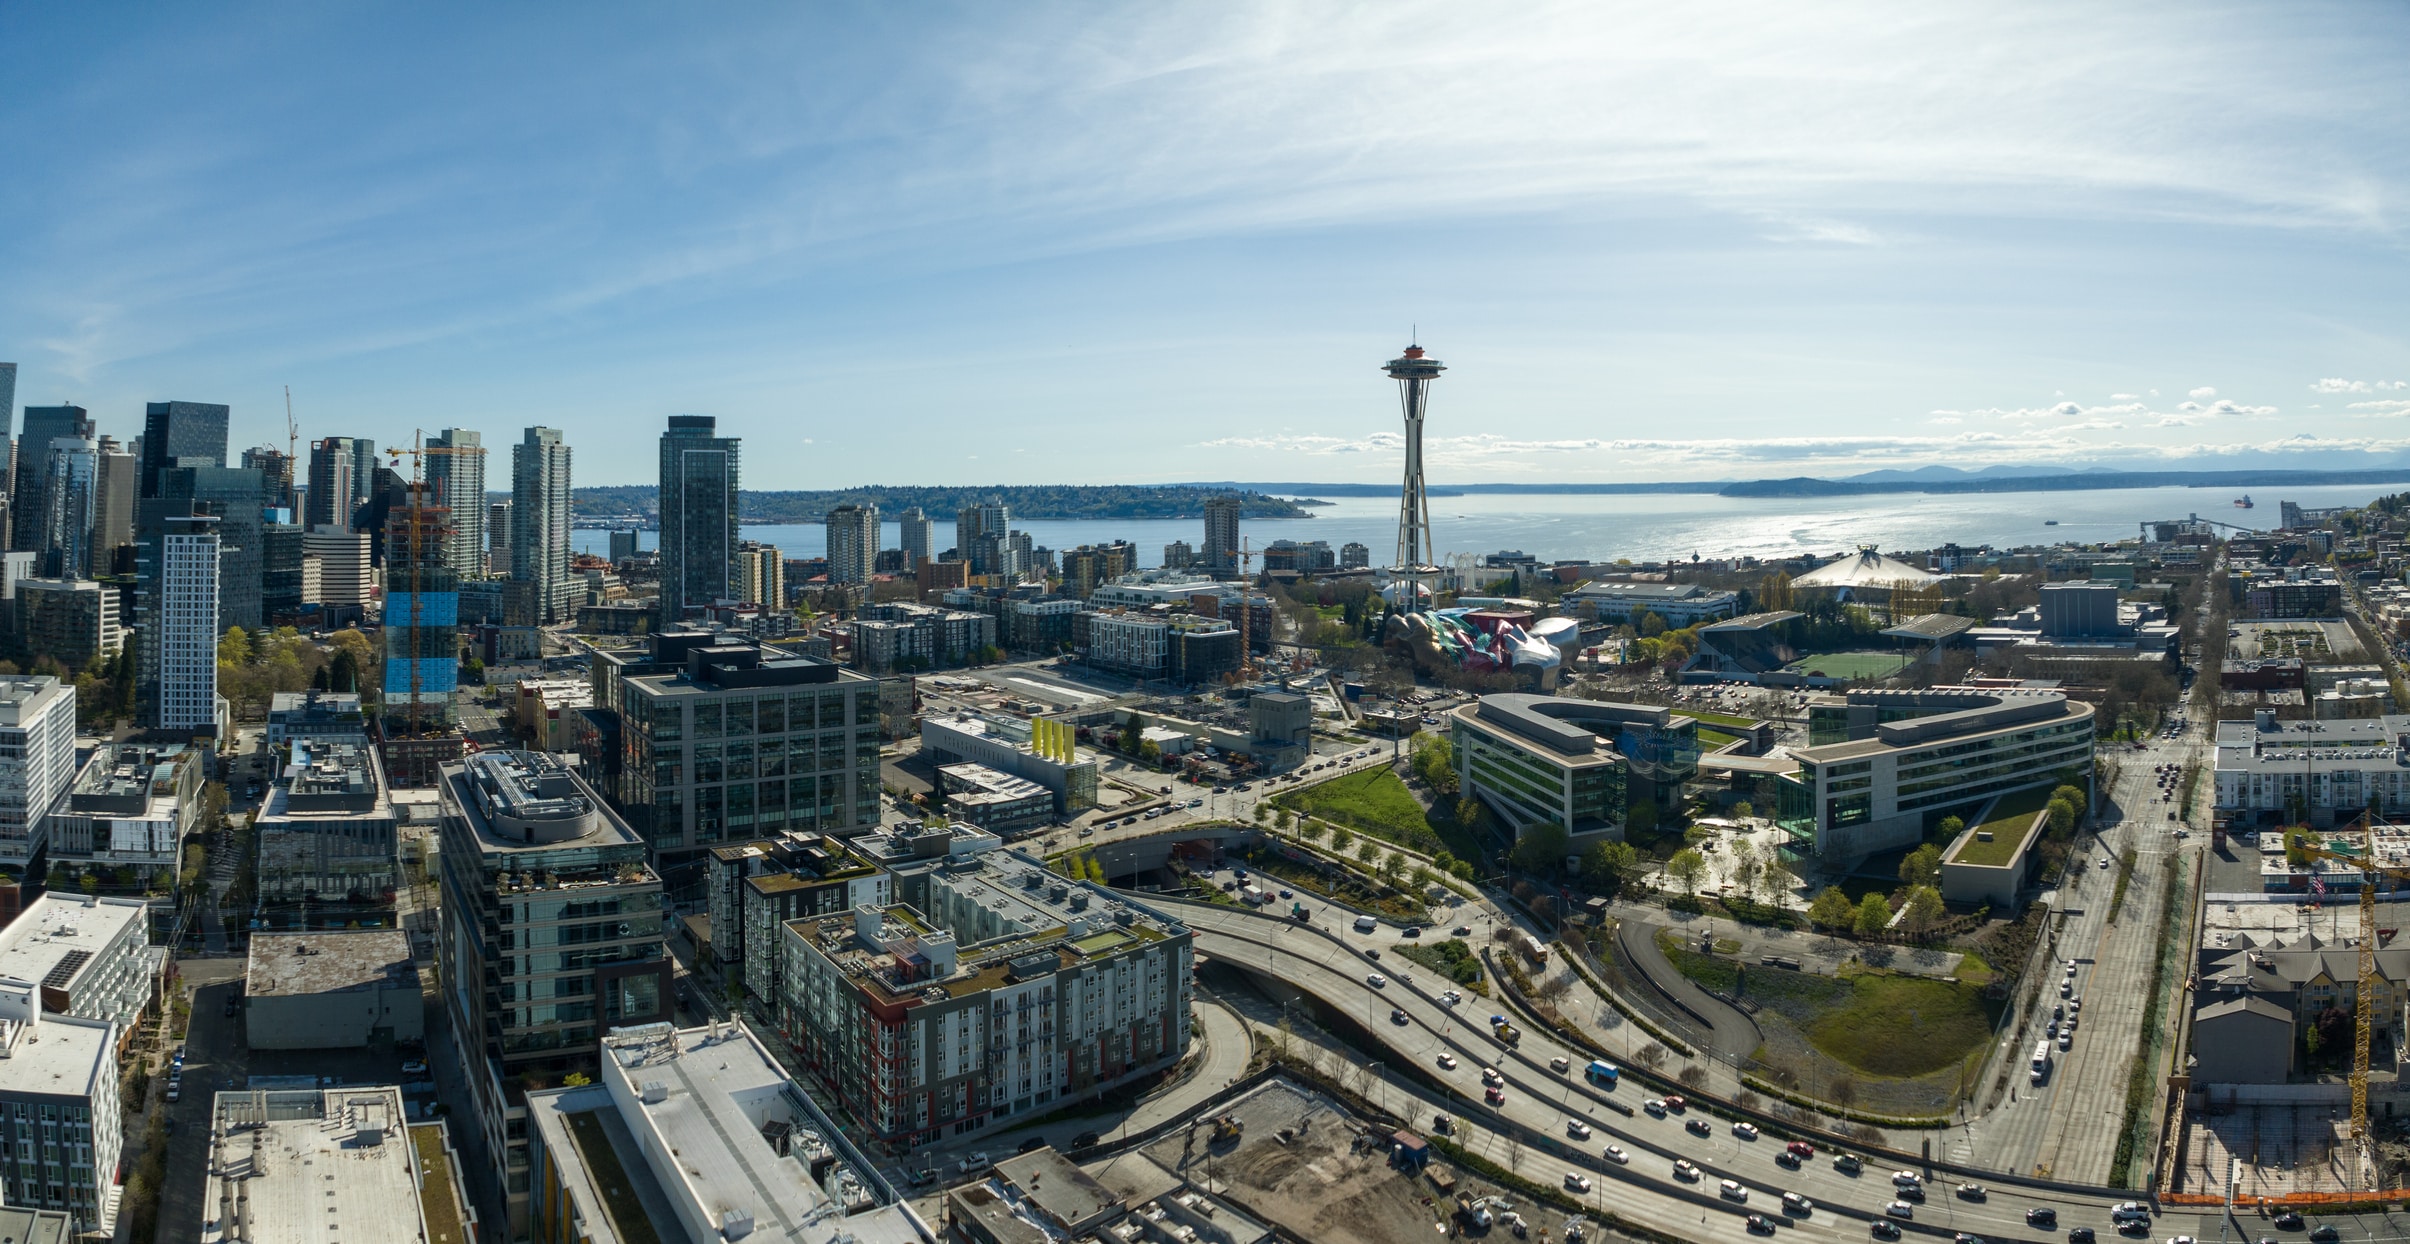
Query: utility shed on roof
x: 329, y: 990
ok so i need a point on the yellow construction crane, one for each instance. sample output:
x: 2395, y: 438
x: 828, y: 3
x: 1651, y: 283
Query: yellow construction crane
x: 2364, y: 1003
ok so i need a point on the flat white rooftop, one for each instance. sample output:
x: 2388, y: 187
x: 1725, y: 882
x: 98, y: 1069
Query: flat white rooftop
x: 59, y: 1054
x: 59, y: 937
x: 312, y: 1167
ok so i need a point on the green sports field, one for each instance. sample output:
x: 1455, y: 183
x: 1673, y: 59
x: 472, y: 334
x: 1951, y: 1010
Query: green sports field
x: 1850, y: 664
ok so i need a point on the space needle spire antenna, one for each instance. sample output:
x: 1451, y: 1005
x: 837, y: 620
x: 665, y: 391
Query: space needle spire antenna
x: 1416, y: 557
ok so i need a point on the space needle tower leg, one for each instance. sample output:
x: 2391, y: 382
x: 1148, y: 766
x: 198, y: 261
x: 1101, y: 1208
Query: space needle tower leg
x: 1414, y: 372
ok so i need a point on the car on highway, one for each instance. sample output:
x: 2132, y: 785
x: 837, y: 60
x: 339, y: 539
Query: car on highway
x: 1963, y: 1238
x: 1495, y: 1096
x: 2080, y: 1235
x: 1655, y: 1107
x: 1577, y: 1181
x: 1676, y: 1102
x: 2134, y: 1226
x: 1883, y: 1229
x: 1793, y: 1203
x: 1450, y: 998
x: 1559, y: 1063
x: 1397, y: 1015
x: 1684, y: 1170
x: 1731, y: 1190
x: 1447, y: 1062
x: 1900, y: 1209
x: 1787, y: 1160
x: 1972, y: 1192
x: 1616, y: 1155
x: 1847, y: 1163
x: 2325, y: 1233
x: 1577, y: 1129
x: 1377, y: 981
x: 1759, y: 1224
x: 1746, y: 1131
x: 2041, y: 1216
x: 1699, y: 1127
x: 1286, y: 894
x: 2287, y: 1221
x: 1800, y: 1149
x: 1489, y: 1075
x: 2179, y: 1239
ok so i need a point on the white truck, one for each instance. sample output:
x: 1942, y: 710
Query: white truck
x: 2041, y: 1061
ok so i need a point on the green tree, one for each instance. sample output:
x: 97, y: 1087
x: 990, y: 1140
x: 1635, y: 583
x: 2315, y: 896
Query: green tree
x: 1778, y: 875
x: 1283, y: 820
x: 1924, y: 911
x: 1874, y: 915
x: 1747, y: 867
x: 2073, y: 795
x: 1651, y: 625
x: 234, y: 647
x: 1540, y: 848
x: 1689, y: 868
x: 1611, y: 862
x: 1263, y: 812
x: 1832, y: 909
x: 1743, y: 810
x: 2062, y: 816
x: 1367, y: 849
x: 1341, y: 840
x: 1640, y: 819
x: 1950, y: 828
x: 1311, y: 831
x: 1922, y: 866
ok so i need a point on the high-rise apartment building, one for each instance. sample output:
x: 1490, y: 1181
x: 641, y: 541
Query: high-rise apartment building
x: 551, y: 936
x: 180, y: 637
x: 914, y: 537
x: 497, y: 535
x: 70, y: 486
x: 1091, y: 566
x: 37, y: 761
x: 189, y: 434
x: 979, y: 531
x: 58, y: 1082
x: 458, y: 481
x: 30, y: 503
x: 540, y: 516
x: 1221, y: 534
x: 1178, y: 555
x: 699, y: 473
x: 1354, y: 556
x: 725, y: 740
x: 114, y: 490
x: 233, y: 495
x: 332, y: 495
x: 281, y: 590
x: 329, y: 851
x: 853, y: 543
x: 761, y: 575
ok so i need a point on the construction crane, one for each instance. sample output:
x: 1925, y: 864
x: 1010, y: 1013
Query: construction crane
x: 292, y: 445
x: 1246, y: 613
x: 2364, y: 1004
x: 417, y: 536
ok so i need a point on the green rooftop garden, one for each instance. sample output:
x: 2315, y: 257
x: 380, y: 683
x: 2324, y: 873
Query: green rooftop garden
x: 2010, y: 817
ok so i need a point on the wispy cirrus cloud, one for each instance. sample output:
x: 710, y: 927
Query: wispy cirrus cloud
x: 2333, y: 385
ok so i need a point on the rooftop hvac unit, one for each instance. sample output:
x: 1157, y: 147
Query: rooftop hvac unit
x: 655, y: 1092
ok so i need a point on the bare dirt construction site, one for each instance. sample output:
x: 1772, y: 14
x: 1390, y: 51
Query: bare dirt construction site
x: 1330, y: 1182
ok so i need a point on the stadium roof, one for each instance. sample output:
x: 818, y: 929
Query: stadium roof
x: 1867, y: 568
x: 1753, y: 621
x: 1932, y: 628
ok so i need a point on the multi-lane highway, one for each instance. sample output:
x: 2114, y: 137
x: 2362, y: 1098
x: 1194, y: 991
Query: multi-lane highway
x: 2066, y: 1128
x: 1329, y: 962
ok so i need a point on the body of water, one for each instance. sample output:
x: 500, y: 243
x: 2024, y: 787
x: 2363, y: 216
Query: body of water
x: 1656, y: 526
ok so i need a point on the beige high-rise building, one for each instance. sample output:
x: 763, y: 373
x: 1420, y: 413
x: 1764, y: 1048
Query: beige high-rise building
x: 344, y: 578
x: 761, y: 574
x: 853, y: 543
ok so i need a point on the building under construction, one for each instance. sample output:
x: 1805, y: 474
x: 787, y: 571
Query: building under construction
x: 415, y: 729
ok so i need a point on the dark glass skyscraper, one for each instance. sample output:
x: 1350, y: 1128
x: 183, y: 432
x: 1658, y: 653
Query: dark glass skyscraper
x: 29, y: 502
x: 698, y: 515
x: 189, y: 434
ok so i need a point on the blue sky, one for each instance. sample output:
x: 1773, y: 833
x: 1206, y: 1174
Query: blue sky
x: 1098, y: 244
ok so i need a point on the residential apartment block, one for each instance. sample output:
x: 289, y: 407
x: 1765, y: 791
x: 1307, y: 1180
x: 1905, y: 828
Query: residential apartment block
x: 129, y: 811
x: 329, y: 842
x: 993, y: 989
x: 37, y: 761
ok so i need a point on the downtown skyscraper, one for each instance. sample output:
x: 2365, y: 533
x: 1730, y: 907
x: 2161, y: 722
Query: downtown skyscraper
x: 913, y: 534
x: 698, y: 499
x: 332, y: 497
x: 29, y: 503
x: 540, y: 592
x: 853, y: 543
x: 457, y: 478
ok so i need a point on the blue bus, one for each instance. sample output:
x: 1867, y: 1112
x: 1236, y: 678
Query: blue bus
x: 1603, y: 1072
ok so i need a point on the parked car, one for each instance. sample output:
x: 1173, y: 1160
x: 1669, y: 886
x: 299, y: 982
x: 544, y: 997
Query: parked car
x: 1084, y: 1140
x: 1032, y: 1144
x: 414, y: 1068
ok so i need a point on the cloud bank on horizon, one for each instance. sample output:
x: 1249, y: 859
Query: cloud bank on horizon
x: 1171, y: 243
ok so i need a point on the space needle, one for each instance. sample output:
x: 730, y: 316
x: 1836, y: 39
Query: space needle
x: 1416, y: 557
